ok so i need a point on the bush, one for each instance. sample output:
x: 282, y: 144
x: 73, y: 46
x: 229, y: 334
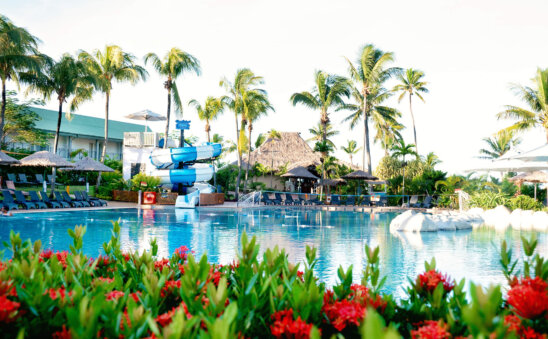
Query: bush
x: 145, y: 182
x: 525, y: 203
x: 488, y: 200
x: 133, y: 295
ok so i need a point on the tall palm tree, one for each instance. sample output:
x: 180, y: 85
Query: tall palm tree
x: 351, y: 149
x: 18, y: 52
x: 411, y: 84
x: 383, y: 118
x: 370, y: 71
x: 431, y: 160
x: 401, y: 149
x: 317, y: 133
x: 537, y: 100
x: 500, y: 144
x: 65, y: 78
x: 244, y: 85
x: 174, y: 64
x: 261, y: 138
x: 111, y: 64
x: 212, y: 108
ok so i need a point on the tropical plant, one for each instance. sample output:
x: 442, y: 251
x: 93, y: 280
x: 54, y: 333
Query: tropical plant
x: 244, y: 85
x: 369, y: 72
x: 212, y: 108
x: 330, y: 166
x: 537, y: 100
x: 410, y: 83
x: 351, y: 149
x: 111, y: 64
x: 261, y: 138
x: 144, y: 182
x: 20, y: 121
x: 500, y: 144
x: 18, y: 53
x: 525, y: 202
x: 401, y: 149
x: 431, y: 160
x: 317, y: 134
x: 173, y: 65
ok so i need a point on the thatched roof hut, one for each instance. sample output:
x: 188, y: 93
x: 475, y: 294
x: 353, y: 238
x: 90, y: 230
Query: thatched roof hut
x: 89, y: 165
x: 7, y: 160
x: 299, y: 172
x: 45, y: 159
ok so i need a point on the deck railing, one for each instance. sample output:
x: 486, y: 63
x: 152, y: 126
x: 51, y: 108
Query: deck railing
x: 141, y: 139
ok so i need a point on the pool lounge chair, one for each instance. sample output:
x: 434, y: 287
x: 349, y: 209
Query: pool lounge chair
x: 96, y: 201
x: 78, y: 197
x: 21, y: 200
x: 366, y: 201
x: 59, y: 199
x: 414, y: 201
x: 10, y: 186
x: 335, y: 200
x: 8, y: 201
x: 12, y: 177
x: 350, y: 201
x: 39, y: 178
x: 50, y: 180
x: 289, y: 199
x: 383, y: 201
x: 427, y: 203
x: 47, y: 201
x: 315, y: 200
x: 34, y: 198
x: 303, y: 201
x: 265, y: 199
x: 23, y: 179
x: 278, y: 199
x: 68, y: 199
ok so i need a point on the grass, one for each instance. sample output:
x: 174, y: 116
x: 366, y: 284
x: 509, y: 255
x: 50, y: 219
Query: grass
x: 59, y: 188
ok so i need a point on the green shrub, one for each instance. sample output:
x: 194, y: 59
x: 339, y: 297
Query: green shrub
x: 145, y: 182
x: 488, y: 200
x: 525, y: 202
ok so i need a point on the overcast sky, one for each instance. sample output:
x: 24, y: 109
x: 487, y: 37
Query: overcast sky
x: 470, y: 52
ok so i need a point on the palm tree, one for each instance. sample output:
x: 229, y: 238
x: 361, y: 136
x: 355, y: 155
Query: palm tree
x: 384, y: 118
x: 401, y: 149
x: 244, y: 83
x: 351, y: 149
x: 261, y: 138
x: 317, y: 133
x: 173, y: 65
x: 369, y: 72
x: 65, y: 78
x: 411, y: 83
x: 111, y: 64
x: 18, y: 52
x: 431, y: 161
x: 537, y: 100
x: 499, y: 145
x: 212, y: 108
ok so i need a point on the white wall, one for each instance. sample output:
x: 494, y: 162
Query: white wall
x: 134, y: 155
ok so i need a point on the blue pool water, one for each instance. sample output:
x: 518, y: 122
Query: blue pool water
x: 339, y: 237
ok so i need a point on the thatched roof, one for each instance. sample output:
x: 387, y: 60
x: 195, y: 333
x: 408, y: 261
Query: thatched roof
x: 359, y: 174
x: 7, y: 160
x: 45, y: 159
x: 299, y: 172
x: 534, y: 177
x: 89, y: 165
x: 290, y: 149
x: 331, y: 182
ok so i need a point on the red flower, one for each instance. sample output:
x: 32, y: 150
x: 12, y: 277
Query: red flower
x: 431, y: 330
x: 61, y: 257
x: 328, y: 297
x: 285, y: 326
x: 214, y: 276
x: 114, y: 295
x: 8, y: 310
x: 169, y: 287
x: 181, y: 253
x: 7, y: 288
x: 513, y: 323
x: 160, y: 264
x: 529, y: 333
x: 63, y: 334
x: 344, y: 313
x: 135, y: 296
x: 105, y: 280
x: 529, y: 297
x: 58, y: 293
x: 430, y: 280
x: 45, y: 255
x: 126, y: 256
x: 165, y: 318
x: 182, y: 269
x: 300, y: 275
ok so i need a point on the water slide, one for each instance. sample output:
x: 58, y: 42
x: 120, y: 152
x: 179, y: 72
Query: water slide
x: 167, y: 162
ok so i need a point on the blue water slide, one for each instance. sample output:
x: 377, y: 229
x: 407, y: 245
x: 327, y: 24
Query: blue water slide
x: 162, y: 158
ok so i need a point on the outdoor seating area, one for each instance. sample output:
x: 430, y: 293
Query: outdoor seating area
x: 294, y: 199
x: 16, y: 200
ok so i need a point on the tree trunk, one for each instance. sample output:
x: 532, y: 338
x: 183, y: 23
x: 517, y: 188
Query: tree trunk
x: 237, y: 188
x: 208, y: 129
x: 104, y: 152
x: 413, y: 120
x: 168, y: 116
x: 241, y: 136
x: 250, y: 128
x: 2, y: 115
x: 366, y: 143
x: 56, y: 141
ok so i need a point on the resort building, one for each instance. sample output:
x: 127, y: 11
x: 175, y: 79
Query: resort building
x: 80, y: 132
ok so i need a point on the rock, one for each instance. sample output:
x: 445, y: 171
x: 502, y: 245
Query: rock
x: 462, y: 222
x: 445, y: 223
x: 397, y: 222
x: 540, y: 221
x: 416, y: 223
x: 499, y: 217
x: 515, y: 218
x: 526, y: 222
x: 475, y: 212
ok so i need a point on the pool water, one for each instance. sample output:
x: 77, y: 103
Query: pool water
x: 339, y: 236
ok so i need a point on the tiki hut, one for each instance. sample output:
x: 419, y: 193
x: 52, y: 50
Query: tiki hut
x: 7, y: 160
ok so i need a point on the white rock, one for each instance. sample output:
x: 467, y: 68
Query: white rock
x: 540, y: 221
x: 397, y: 222
x: 462, y: 222
x: 515, y: 218
x: 475, y: 212
x: 414, y: 223
x: 499, y: 217
x: 527, y: 220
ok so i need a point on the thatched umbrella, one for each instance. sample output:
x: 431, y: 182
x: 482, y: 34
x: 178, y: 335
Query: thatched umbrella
x: 87, y: 164
x: 299, y: 172
x: 331, y: 183
x: 7, y: 160
x: 359, y: 175
x: 532, y: 177
x: 45, y: 159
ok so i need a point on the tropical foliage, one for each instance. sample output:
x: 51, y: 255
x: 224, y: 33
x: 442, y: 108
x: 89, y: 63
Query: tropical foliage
x: 317, y: 134
x: 212, y: 108
x: 351, y: 149
x: 500, y: 144
x: 20, y: 121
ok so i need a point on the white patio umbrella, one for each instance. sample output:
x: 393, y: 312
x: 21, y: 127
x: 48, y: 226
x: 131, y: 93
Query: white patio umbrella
x: 537, y: 154
x: 511, y: 165
x: 146, y: 115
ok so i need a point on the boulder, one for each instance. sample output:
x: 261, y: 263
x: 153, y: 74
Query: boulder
x: 445, y: 223
x: 515, y: 218
x: 526, y: 221
x: 398, y: 221
x: 540, y: 221
x: 415, y: 223
x: 498, y: 217
x: 462, y: 222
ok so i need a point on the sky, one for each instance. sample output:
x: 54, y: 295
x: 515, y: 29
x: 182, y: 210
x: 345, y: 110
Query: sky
x: 470, y: 51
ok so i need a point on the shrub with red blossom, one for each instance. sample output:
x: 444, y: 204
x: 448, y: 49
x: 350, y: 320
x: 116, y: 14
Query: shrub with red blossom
x: 114, y: 295
x: 8, y: 310
x: 58, y: 293
x: 361, y: 294
x: 514, y: 325
x: 182, y: 253
x: 285, y: 326
x: 160, y: 264
x: 431, y: 330
x: 428, y: 281
x: 529, y: 297
x: 344, y: 313
x: 169, y: 287
x: 63, y: 334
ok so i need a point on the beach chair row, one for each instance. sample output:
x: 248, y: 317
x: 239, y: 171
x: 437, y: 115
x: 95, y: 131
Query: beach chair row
x: 299, y: 199
x: 22, y: 179
x: 426, y: 203
x: 40, y: 200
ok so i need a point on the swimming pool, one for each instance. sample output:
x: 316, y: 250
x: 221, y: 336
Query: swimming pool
x: 339, y: 237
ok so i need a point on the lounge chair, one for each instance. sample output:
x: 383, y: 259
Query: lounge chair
x: 10, y: 186
x: 335, y: 200
x: 47, y: 201
x: 12, y: 177
x: 21, y: 200
x: 427, y: 203
x: 302, y: 200
x: 8, y: 202
x: 78, y: 197
x: 68, y: 199
x: 39, y: 178
x: 414, y: 201
x: 50, y: 180
x: 96, y: 201
x: 23, y: 179
x: 278, y: 199
x: 59, y: 199
x: 315, y: 200
x: 383, y: 201
x: 350, y: 201
x: 34, y: 198
x: 265, y: 199
x: 289, y: 199
x: 366, y: 201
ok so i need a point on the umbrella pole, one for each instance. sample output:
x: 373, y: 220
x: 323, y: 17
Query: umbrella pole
x: 535, y: 191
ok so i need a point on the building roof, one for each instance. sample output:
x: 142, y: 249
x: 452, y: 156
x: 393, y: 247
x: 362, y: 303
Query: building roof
x: 84, y: 126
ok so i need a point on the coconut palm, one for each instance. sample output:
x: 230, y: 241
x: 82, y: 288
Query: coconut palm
x: 261, y: 138
x: 411, y: 84
x: 351, y: 149
x: 244, y: 84
x: 106, y: 66
x: 401, y: 149
x: 370, y: 71
x: 317, y: 133
x: 212, y: 108
x: 174, y: 64
x: 18, y: 52
x: 499, y: 145
x: 537, y: 100
x: 431, y: 160
x: 328, y: 93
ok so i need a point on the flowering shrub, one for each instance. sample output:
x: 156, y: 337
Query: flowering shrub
x: 138, y: 295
